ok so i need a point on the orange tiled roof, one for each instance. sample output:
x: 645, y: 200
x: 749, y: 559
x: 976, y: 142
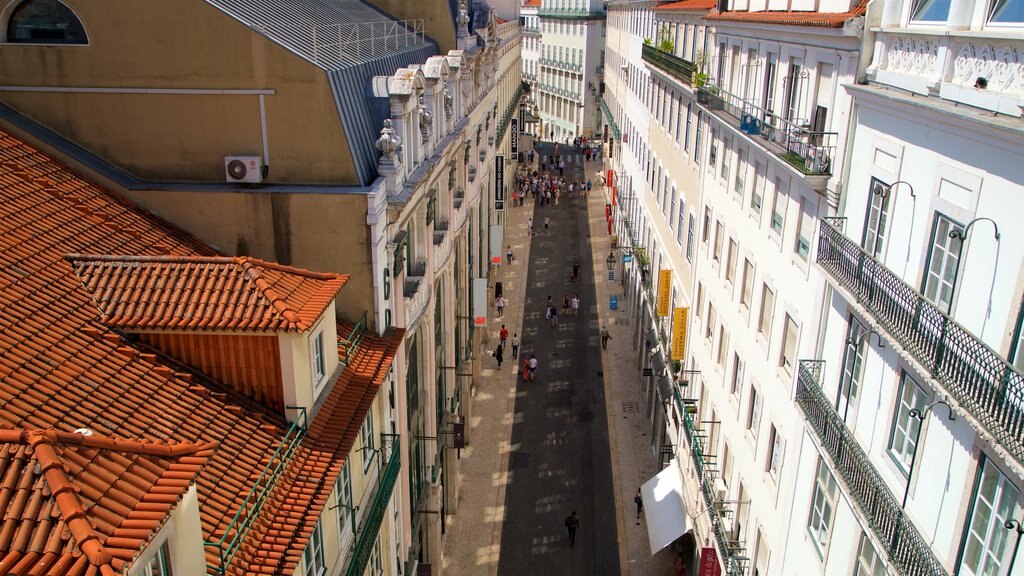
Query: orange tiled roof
x: 202, y: 292
x: 793, y: 18
x: 687, y: 5
x: 532, y: 4
x: 61, y: 368
x: 62, y: 514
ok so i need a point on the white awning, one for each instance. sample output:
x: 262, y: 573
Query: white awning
x: 663, y: 508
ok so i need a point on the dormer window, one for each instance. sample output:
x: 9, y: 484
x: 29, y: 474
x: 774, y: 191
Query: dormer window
x: 1007, y: 12
x: 319, y: 366
x: 931, y: 11
x: 158, y: 564
x: 45, y: 22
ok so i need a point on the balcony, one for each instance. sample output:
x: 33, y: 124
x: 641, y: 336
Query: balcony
x: 570, y: 13
x: 442, y: 251
x: 531, y: 30
x: 416, y: 294
x: 369, y: 525
x: 669, y: 63
x: 611, y: 120
x: 909, y: 553
x: 980, y: 380
x: 561, y: 65
x: 809, y: 152
x: 730, y: 550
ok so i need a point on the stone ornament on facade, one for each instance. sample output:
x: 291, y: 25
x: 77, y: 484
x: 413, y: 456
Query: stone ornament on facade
x: 463, y: 20
x: 448, y: 103
x: 388, y: 143
x: 916, y: 56
x: 1001, y: 66
x: 426, y: 121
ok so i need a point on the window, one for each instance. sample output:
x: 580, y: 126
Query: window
x: 313, y: 555
x: 819, y: 521
x: 1007, y: 12
x: 776, y: 450
x: 707, y: 224
x: 746, y: 292
x: 700, y: 299
x: 686, y: 139
x: 931, y: 10
x: 689, y: 242
x: 868, y: 561
x: 366, y: 441
x: 730, y: 262
x: 787, y: 356
x: 985, y: 544
x: 737, y: 373
x: 764, y: 319
x: 757, y: 194
x: 719, y: 240
x: 726, y: 160
x: 713, y: 154
x: 876, y: 218
x: 779, y: 207
x: 754, y: 412
x: 160, y: 563
x: 45, y: 22
x: 805, y: 228
x: 343, y: 488
x: 697, y: 141
x: 762, y: 555
x: 723, y: 347
x: 681, y: 224
x: 319, y: 367
x: 943, y: 262
x: 741, y: 161
x: 709, y: 328
x: 853, y: 367
x: 905, y: 428
x: 375, y: 566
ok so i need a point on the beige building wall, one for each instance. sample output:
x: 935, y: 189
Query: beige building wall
x: 437, y: 19
x: 170, y: 44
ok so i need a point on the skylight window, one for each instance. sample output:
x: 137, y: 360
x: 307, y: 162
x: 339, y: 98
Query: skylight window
x: 45, y: 22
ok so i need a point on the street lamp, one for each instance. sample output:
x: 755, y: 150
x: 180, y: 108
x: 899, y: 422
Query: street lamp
x: 919, y: 415
x: 1014, y: 525
x: 962, y: 236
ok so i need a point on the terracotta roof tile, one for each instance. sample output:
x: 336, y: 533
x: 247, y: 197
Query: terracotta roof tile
x: 532, y: 4
x: 67, y: 496
x: 202, y: 292
x: 61, y: 368
x: 793, y: 18
x: 686, y: 5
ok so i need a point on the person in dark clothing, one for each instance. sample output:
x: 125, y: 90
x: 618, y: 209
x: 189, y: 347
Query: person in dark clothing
x: 639, y: 503
x: 571, y: 524
x: 499, y: 354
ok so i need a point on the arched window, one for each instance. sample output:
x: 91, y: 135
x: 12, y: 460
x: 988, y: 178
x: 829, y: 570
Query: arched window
x: 45, y: 22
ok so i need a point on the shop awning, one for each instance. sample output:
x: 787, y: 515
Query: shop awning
x: 658, y: 363
x: 665, y: 389
x: 663, y: 508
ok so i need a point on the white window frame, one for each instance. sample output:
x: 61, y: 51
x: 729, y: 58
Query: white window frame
x: 790, y: 341
x: 905, y: 429
x: 776, y: 452
x: 990, y: 539
x: 346, y: 511
x: 764, y: 317
x: 754, y: 410
x: 367, y: 445
x: 162, y: 557
x: 869, y: 563
x: 313, y: 554
x: 943, y: 259
x: 822, y: 512
x: 877, y: 217
x: 852, y: 371
x: 318, y: 360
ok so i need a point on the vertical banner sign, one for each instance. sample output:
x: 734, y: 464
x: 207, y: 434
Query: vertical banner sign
x: 679, y: 320
x: 513, y: 134
x: 664, y: 292
x: 709, y: 563
x: 522, y: 117
x: 499, y: 183
x: 496, y: 234
x: 479, y: 301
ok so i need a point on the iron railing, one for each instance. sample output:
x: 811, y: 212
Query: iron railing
x: 808, y: 151
x: 561, y: 64
x: 510, y: 110
x: 980, y: 380
x: 611, y: 120
x: 570, y: 13
x: 729, y: 550
x: 232, y: 535
x: 908, y: 552
x: 369, y: 527
x: 351, y: 344
x: 679, y: 68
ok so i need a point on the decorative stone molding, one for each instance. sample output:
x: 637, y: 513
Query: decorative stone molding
x: 914, y: 55
x: 1001, y: 66
x: 388, y: 143
x: 426, y: 121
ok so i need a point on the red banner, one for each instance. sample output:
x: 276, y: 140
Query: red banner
x: 709, y: 563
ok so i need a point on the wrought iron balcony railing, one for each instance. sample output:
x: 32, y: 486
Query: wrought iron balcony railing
x: 231, y: 536
x: 810, y: 152
x: 730, y: 550
x: 611, y: 120
x: 980, y: 380
x: 679, y: 68
x: 369, y: 526
x: 561, y: 65
x: 908, y: 552
x: 531, y: 30
x: 570, y: 13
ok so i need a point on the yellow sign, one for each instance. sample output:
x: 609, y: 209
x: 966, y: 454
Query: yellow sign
x: 664, y: 292
x: 679, y: 320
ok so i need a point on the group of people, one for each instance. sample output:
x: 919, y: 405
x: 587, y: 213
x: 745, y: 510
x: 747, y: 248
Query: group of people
x: 544, y: 186
x: 570, y: 307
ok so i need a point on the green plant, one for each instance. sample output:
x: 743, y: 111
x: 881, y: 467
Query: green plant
x: 666, y: 46
x: 647, y: 42
x: 700, y: 79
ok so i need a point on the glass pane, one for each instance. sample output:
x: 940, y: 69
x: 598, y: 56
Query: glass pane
x: 45, y: 22
x: 931, y: 10
x: 1006, y: 11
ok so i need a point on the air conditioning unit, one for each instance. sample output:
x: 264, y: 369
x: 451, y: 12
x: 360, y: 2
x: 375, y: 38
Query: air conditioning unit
x: 721, y: 490
x: 247, y: 169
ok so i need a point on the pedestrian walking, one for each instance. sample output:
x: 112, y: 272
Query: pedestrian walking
x: 554, y: 316
x: 547, y: 223
x: 532, y: 367
x: 515, y: 345
x: 639, y: 500
x: 529, y: 226
x: 571, y: 524
x: 500, y: 303
x: 509, y: 256
x: 575, y: 271
x: 561, y: 168
x: 499, y: 353
x: 575, y: 304
x: 565, y: 304
x: 503, y: 335
x: 589, y: 184
x: 605, y: 337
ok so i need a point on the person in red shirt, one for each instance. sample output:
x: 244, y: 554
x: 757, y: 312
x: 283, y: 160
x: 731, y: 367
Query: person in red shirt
x: 503, y: 335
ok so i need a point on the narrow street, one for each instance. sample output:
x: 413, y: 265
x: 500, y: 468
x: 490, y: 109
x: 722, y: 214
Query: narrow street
x: 560, y: 459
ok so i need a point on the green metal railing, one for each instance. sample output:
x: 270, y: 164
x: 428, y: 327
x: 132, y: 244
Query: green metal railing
x: 611, y: 120
x: 980, y: 379
x: 369, y: 527
x: 570, y: 13
x: 351, y: 344
x: 730, y: 552
x: 510, y: 110
x: 908, y: 552
x: 235, y: 532
x: 679, y: 68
